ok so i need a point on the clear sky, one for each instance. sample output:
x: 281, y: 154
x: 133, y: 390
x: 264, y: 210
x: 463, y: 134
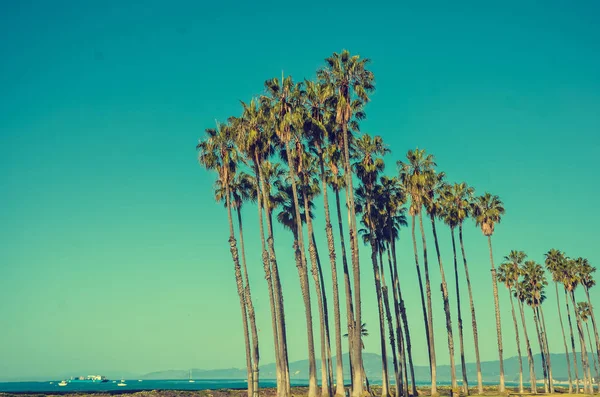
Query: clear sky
x: 113, y: 252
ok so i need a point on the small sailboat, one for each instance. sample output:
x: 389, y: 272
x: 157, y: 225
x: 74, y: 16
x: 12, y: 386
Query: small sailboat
x: 191, y: 380
x: 122, y: 383
x: 62, y: 383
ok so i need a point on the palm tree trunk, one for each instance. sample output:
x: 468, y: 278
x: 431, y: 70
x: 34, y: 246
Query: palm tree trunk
x: 390, y: 322
x: 385, y: 384
x: 278, y: 296
x: 572, y: 343
x: 473, y: 317
x: 498, y: 325
x: 251, y: 312
x: 594, y: 325
x: 449, y: 330
x: 405, y: 318
x: 347, y: 286
x: 584, y: 356
x: 357, y: 381
x: 304, y: 285
x: 432, y: 359
x: 542, y: 350
x: 545, y: 339
x: 423, y: 304
x: 532, y: 379
x: 562, y: 328
x: 326, y: 318
x: 398, y: 324
x: 512, y: 306
x: 593, y: 356
x: 339, y: 367
x: 240, y: 289
x: 463, y: 364
x: 268, y: 276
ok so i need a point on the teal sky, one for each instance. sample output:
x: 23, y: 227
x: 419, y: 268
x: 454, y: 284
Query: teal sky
x: 113, y: 252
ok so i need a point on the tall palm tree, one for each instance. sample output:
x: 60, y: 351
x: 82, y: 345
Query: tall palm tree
x: 217, y: 152
x: 533, y: 283
x: 462, y: 196
x: 242, y: 189
x: 318, y: 98
x: 393, y: 200
x: 434, y: 207
x: 352, y: 82
x: 586, y: 272
x: 555, y: 260
x: 449, y: 212
x: 585, y: 312
x: 368, y: 165
x: 508, y: 274
x: 572, y: 280
x: 364, y: 332
x: 254, y: 137
x: 286, y: 117
x: 521, y: 294
x: 415, y: 175
x: 487, y: 211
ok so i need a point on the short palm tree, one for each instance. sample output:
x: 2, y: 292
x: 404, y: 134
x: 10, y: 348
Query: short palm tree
x: 585, y: 313
x: 508, y: 274
x: 555, y: 261
x: 586, y: 274
x: 488, y: 211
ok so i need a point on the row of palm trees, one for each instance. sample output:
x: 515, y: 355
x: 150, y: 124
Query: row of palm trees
x: 300, y: 140
x: 526, y: 281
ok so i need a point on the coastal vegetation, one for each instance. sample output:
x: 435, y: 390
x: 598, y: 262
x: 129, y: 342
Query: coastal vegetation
x: 302, y: 139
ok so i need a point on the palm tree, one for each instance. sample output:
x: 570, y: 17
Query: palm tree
x: 462, y: 197
x: 521, y: 294
x: 368, y: 165
x: 254, y: 138
x: 392, y: 201
x: 587, y: 281
x: 450, y: 208
x: 572, y: 279
x: 352, y: 82
x: 364, y: 332
x: 487, y: 211
x: 508, y: 274
x: 555, y: 260
x: 585, y: 312
x: 217, y: 152
x: 318, y: 97
x: 242, y: 189
x: 434, y: 207
x: 284, y: 98
x: 533, y: 284
x: 415, y: 175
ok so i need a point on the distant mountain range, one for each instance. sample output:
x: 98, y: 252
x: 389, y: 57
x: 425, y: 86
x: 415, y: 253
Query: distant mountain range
x: 372, y: 362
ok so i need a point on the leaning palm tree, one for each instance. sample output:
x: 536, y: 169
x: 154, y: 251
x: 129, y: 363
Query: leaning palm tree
x: 555, y: 260
x: 434, y: 207
x: 586, y: 272
x: 572, y: 280
x: 585, y: 313
x: 533, y: 283
x: 508, y: 274
x: 368, y: 165
x: 461, y: 196
x: 487, y: 211
x: 217, y: 152
x: 416, y: 174
x: 284, y: 98
x: 242, y: 190
x: 352, y: 82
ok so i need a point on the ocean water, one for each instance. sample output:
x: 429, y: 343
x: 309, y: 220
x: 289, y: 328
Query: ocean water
x: 135, y: 385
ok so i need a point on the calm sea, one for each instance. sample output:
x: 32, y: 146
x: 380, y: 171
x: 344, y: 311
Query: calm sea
x: 47, y: 387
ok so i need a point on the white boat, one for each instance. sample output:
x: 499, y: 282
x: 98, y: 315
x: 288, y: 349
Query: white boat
x: 191, y: 380
x: 62, y: 383
x: 122, y: 383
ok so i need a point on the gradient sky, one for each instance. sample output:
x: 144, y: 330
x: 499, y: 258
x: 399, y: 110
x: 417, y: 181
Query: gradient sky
x: 113, y: 252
